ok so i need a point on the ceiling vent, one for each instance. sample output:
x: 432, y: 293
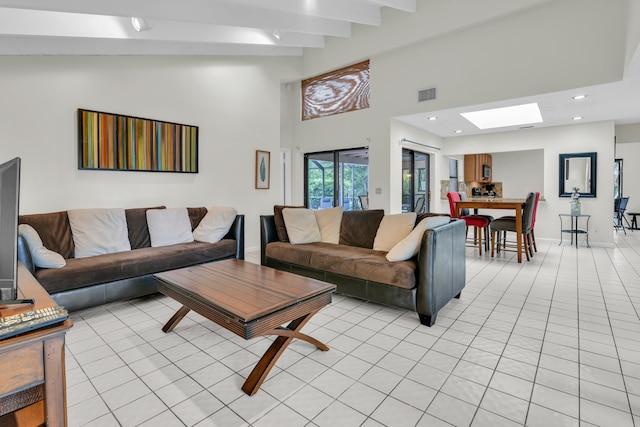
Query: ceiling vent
x: 427, y: 94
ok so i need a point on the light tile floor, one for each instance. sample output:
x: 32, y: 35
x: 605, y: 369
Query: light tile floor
x: 551, y: 342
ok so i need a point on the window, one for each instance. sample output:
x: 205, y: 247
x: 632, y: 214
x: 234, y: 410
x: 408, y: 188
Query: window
x: 453, y: 175
x: 339, y: 91
x: 336, y: 178
x: 415, y: 181
x: 617, y: 178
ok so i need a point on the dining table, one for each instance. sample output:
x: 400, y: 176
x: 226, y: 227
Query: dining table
x: 516, y: 205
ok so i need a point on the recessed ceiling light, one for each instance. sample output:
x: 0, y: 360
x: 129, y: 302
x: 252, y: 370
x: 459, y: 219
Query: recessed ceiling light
x: 431, y: 118
x: 576, y: 118
x: 139, y: 24
x: 458, y: 131
x: 579, y: 97
x: 506, y: 116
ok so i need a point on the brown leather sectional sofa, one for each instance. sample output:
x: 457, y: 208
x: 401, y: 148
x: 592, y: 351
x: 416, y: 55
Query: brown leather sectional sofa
x: 95, y: 280
x: 424, y: 284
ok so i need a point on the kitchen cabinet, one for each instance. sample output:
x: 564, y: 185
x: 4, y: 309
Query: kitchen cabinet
x: 474, y: 165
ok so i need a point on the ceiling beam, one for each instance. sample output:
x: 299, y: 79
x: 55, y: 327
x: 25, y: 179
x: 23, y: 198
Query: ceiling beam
x: 29, y: 45
x: 59, y: 24
x: 200, y: 11
x: 359, y: 12
x: 403, y: 5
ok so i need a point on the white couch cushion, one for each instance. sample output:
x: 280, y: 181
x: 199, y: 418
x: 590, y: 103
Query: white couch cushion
x: 392, y: 229
x: 98, y: 231
x: 329, y: 221
x: 408, y: 247
x: 41, y: 256
x: 169, y: 226
x: 301, y: 225
x: 215, y: 224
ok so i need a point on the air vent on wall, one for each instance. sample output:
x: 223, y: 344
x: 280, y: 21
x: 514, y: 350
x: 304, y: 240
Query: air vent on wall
x: 427, y: 94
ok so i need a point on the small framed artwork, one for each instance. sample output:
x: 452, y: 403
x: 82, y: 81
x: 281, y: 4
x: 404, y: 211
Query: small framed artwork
x: 263, y: 169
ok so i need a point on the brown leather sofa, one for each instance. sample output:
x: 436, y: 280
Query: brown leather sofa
x: 95, y: 280
x: 424, y: 284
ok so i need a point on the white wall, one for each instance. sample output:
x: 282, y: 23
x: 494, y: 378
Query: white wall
x: 493, y: 60
x: 598, y: 137
x: 234, y: 101
x: 476, y: 65
x: 520, y: 172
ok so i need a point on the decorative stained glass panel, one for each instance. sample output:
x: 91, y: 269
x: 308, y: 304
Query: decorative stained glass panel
x: 339, y: 91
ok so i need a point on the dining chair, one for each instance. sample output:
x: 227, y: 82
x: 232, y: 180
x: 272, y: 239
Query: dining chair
x: 465, y: 211
x: 364, y: 202
x: 504, y: 224
x: 420, y: 205
x: 478, y: 222
x: 533, y: 221
x: 533, y: 224
x: 326, y: 202
x: 619, y: 207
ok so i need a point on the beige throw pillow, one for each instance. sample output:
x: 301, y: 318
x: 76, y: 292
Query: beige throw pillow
x: 408, y: 247
x: 41, y: 256
x: 329, y: 221
x: 392, y: 229
x: 169, y: 226
x: 215, y: 224
x: 98, y: 231
x: 301, y: 225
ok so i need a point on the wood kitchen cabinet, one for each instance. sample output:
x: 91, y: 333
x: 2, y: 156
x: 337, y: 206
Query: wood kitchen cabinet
x: 474, y: 165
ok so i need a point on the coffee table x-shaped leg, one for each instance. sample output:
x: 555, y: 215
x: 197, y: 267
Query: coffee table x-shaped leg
x: 268, y: 360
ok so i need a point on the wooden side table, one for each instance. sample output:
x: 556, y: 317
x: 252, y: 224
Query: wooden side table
x: 32, y: 377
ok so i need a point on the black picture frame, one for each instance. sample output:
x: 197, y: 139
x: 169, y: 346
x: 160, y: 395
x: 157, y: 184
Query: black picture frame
x: 116, y: 142
x: 588, y: 175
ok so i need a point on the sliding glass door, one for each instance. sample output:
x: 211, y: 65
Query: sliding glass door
x: 337, y: 178
x: 415, y: 181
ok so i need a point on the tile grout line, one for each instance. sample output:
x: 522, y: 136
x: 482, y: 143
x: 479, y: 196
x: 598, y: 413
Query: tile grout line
x: 535, y: 376
x: 613, y: 337
x: 501, y: 354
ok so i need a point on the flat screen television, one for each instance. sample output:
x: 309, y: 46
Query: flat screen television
x: 9, y: 199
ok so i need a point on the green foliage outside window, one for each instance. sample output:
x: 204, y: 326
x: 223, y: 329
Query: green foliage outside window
x: 321, y: 185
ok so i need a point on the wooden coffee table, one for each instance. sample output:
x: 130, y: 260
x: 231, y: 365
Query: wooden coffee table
x: 249, y: 300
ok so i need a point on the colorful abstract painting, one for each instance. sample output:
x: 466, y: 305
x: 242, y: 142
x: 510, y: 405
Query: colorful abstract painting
x: 115, y: 142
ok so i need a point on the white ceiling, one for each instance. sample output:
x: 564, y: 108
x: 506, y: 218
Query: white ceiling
x: 619, y: 102
x: 246, y: 27
x: 185, y: 27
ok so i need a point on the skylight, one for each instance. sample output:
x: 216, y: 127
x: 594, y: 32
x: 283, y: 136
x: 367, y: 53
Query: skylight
x: 506, y: 116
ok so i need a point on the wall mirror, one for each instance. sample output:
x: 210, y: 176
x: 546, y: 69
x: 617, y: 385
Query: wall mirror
x: 578, y: 170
